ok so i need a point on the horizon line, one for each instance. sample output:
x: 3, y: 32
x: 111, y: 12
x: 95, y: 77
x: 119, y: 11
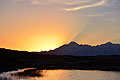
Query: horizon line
x: 59, y: 46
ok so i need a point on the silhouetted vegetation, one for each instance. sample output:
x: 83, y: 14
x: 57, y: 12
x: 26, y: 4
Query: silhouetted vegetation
x: 4, y: 78
x: 29, y: 73
x: 11, y: 60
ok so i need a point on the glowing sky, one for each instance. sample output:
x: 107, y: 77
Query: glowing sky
x: 36, y: 25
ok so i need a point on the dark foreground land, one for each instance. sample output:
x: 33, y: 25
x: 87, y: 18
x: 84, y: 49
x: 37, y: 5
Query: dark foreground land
x: 12, y: 60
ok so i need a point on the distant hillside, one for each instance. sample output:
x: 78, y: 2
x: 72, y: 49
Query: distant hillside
x: 75, y: 49
x: 13, y: 60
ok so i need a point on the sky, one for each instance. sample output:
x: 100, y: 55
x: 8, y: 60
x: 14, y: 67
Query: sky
x: 39, y: 25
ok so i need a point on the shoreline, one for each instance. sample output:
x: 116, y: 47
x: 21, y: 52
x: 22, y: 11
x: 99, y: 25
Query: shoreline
x: 62, y: 68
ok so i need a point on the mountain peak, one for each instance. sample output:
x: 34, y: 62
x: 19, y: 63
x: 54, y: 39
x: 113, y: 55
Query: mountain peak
x: 108, y: 43
x: 73, y: 43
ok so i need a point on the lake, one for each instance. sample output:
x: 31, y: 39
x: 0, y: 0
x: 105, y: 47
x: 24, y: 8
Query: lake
x: 34, y: 74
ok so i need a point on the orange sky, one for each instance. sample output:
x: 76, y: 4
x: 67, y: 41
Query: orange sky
x: 37, y: 25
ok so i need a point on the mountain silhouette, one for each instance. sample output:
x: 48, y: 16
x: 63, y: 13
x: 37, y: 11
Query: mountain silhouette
x: 76, y: 49
x: 68, y: 56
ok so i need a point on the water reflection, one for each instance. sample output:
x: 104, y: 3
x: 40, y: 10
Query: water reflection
x: 23, y: 74
x: 34, y: 74
x: 28, y: 73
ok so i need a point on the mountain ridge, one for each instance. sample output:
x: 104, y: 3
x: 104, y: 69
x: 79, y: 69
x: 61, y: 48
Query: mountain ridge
x: 76, y: 49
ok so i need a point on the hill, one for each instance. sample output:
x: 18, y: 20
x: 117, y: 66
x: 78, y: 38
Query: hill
x: 75, y: 49
x: 68, y: 56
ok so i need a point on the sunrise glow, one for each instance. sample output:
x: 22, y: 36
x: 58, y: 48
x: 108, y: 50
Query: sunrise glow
x: 36, y: 25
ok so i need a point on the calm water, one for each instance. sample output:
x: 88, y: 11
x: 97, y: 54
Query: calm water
x: 33, y: 74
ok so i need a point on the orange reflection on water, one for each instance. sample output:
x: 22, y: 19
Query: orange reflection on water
x: 52, y: 75
x: 34, y: 74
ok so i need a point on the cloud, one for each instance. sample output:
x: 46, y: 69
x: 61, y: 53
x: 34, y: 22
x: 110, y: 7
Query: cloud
x: 86, y: 6
x: 36, y: 2
x: 66, y: 2
x: 77, y: 2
